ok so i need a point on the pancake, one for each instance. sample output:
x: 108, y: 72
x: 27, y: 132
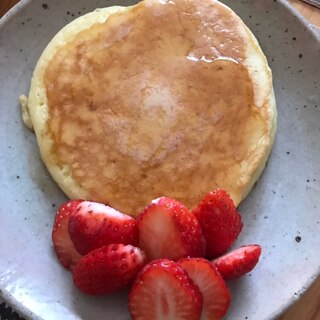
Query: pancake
x: 163, y: 98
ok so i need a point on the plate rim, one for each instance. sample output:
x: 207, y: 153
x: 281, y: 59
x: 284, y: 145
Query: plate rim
x: 13, y: 11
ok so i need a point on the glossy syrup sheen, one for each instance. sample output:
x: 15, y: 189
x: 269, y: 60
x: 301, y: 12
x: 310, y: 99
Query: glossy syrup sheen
x: 155, y: 101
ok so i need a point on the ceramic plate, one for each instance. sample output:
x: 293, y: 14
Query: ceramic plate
x: 281, y: 213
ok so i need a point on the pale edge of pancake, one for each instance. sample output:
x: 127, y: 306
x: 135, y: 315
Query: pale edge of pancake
x: 37, y: 100
x: 255, y: 62
x: 266, y: 99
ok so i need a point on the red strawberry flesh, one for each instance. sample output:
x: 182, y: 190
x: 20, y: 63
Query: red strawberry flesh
x: 238, y: 262
x: 167, y: 229
x: 216, y: 298
x: 108, y: 269
x: 219, y: 220
x: 94, y: 225
x: 64, y: 248
x: 163, y: 290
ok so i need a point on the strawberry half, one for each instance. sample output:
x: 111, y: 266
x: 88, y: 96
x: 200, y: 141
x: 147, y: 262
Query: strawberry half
x: 108, y: 269
x: 238, y: 262
x: 94, y: 225
x: 163, y: 290
x: 63, y: 246
x: 219, y: 220
x: 167, y: 229
x: 216, y: 297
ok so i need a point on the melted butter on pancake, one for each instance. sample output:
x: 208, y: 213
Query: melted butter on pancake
x: 155, y: 101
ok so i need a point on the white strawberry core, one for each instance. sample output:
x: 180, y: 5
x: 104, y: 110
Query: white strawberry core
x: 100, y: 208
x: 155, y: 201
x: 159, y: 237
x: 131, y: 250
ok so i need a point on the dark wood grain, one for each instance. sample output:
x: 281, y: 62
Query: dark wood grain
x: 5, y: 5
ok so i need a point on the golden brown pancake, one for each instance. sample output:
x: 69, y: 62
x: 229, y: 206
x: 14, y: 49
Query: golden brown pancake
x: 168, y: 98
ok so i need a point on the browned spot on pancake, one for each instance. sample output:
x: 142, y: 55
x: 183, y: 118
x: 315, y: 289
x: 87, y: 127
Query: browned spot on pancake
x: 153, y: 102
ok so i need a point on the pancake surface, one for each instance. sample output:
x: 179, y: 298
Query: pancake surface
x: 166, y: 98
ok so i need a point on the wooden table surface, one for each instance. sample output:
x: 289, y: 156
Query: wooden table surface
x: 308, y: 306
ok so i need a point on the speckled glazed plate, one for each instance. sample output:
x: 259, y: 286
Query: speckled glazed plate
x: 281, y: 213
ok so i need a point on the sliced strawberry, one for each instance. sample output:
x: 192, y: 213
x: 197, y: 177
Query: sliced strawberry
x: 108, y: 269
x: 167, y: 229
x: 163, y: 290
x: 63, y: 246
x: 94, y: 225
x: 219, y: 220
x: 216, y: 297
x: 238, y: 262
